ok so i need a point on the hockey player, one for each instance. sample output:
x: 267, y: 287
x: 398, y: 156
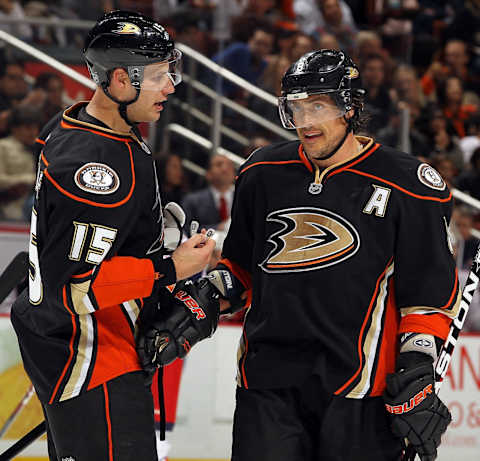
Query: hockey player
x: 97, y: 249
x: 340, y: 246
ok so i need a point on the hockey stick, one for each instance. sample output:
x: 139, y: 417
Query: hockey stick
x: 13, y: 274
x: 448, y: 346
x: 24, y: 442
x: 26, y: 398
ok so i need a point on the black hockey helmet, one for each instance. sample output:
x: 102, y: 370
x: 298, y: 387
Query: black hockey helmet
x: 131, y: 41
x: 321, y: 72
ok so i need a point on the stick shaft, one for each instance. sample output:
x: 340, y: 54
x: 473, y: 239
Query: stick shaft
x: 446, y: 352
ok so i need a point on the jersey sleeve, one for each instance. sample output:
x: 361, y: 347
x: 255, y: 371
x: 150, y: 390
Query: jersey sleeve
x: 237, y: 252
x: 426, y: 281
x: 81, y: 236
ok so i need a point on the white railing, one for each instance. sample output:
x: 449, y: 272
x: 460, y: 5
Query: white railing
x: 178, y: 129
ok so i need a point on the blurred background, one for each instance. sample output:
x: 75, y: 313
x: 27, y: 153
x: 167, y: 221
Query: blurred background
x: 419, y: 61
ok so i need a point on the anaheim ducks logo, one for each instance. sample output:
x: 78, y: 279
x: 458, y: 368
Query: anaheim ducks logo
x: 352, y: 73
x: 127, y: 28
x: 310, y: 239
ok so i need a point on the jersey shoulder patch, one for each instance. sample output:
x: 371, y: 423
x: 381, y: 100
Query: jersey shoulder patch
x: 430, y: 177
x: 97, y: 178
x: 89, y: 168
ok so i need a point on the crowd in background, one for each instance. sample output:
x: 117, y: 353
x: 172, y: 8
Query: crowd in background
x: 418, y: 59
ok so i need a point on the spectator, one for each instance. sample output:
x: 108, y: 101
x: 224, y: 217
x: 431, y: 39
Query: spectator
x: 454, y: 64
x: 278, y: 63
x: 469, y: 181
x: 377, y: 102
x: 391, y: 134
x: 13, y: 87
x: 191, y: 30
x: 450, y: 98
x: 304, y: 43
x: 17, y: 165
x: 211, y: 206
x: 470, y: 142
x: 464, y: 244
x: 52, y: 85
x: 406, y: 87
x: 446, y: 167
x: 257, y: 142
x: 248, y: 60
x: 336, y: 25
x: 172, y: 178
x: 443, y: 138
x: 11, y: 9
x: 328, y: 42
x: 310, y: 16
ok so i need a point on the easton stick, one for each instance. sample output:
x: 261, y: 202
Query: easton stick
x: 448, y: 346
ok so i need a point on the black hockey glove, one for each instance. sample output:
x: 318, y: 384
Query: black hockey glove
x: 417, y: 413
x: 228, y: 287
x: 193, y: 316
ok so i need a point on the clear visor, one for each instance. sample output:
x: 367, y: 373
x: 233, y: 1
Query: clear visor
x: 301, y: 110
x: 158, y: 75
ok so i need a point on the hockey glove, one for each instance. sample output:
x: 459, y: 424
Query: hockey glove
x: 228, y: 287
x: 192, y: 317
x: 417, y: 413
x: 174, y: 217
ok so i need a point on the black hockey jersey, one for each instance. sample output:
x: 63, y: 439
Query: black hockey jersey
x: 340, y: 262
x: 96, y: 226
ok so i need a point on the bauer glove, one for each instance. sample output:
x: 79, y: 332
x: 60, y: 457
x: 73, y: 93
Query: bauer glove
x: 190, y: 318
x: 417, y: 413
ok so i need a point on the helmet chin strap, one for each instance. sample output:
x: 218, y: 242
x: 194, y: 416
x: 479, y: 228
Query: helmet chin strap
x: 342, y: 141
x: 122, y: 105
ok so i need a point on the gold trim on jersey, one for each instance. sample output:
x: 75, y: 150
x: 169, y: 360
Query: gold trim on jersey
x: 366, y: 142
x: 133, y: 311
x: 449, y: 312
x: 80, y: 300
x: 370, y: 343
x: 82, y: 359
x: 70, y: 109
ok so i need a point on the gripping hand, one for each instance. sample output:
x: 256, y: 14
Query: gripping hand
x: 228, y: 287
x: 417, y: 413
x: 192, y: 317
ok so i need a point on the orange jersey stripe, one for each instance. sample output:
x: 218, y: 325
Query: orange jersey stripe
x: 44, y: 159
x: 396, y: 186
x: 245, y: 383
x: 304, y: 159
x: 109, y: 422
x: 432, y: 324
x: 81, y: 276
x: 454, y: 291
x: 360, y: 336
x: 70, y: 127
x: 70, y: 346
x: 91, y: 202
x: 280, y: 162
x: 40, y: 141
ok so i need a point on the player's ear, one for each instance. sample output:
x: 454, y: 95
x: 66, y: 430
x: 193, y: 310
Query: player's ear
x: 349, y: 114
x: 119, y: 78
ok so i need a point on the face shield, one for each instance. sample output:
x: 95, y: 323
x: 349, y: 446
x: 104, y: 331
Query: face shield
x: 299, y: 110
x: 156, y: 76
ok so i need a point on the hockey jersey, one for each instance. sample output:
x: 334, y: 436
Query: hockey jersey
x: 340, y: 262
x: 96, y: 227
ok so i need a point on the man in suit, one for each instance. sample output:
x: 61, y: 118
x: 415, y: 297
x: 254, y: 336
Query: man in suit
x: 211, y: 206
